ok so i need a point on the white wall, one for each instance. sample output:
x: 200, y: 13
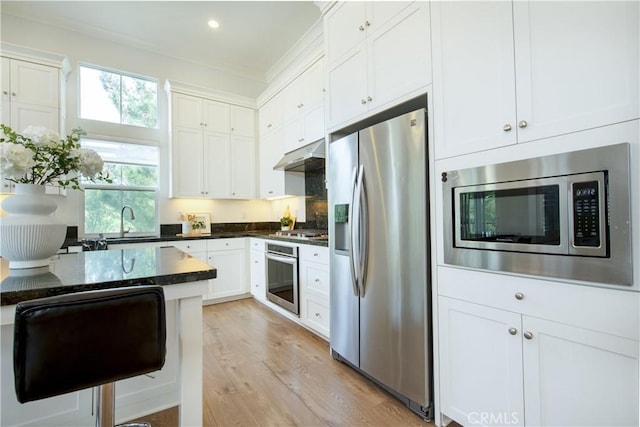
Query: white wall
x: 82, y: 48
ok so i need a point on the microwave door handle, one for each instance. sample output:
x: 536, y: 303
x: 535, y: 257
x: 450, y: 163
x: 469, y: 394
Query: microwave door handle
x: 353, y: 223
x: 363, y: 217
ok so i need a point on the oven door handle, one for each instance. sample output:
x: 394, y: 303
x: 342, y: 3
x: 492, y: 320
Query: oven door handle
x: 284, y: 259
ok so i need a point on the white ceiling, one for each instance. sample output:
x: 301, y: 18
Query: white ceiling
x: 252, y: 37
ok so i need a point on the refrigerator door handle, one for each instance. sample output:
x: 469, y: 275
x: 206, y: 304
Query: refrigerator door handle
x: 363, y: 251
x: 353, y: 223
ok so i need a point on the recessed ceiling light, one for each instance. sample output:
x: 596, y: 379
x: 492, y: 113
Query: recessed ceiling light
x: 213, y: 23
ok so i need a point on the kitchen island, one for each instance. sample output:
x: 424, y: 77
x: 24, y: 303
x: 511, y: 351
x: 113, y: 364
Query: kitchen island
x: 184, y: 279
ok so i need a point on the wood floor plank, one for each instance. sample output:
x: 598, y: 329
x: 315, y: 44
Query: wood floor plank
x: 276, y: 373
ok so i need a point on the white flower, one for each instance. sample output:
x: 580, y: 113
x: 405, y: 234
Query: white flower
x: 91, y: 163
x: 15, y: 160
x: 41, y: 135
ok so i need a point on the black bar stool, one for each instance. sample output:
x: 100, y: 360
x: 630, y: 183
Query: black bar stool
x: 76, y: 341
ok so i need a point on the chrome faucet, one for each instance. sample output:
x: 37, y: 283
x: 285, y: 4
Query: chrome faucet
x: 133, y: 216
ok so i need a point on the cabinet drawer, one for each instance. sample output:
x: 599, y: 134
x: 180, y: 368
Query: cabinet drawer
x: 313, y: 253
x: 256, y: 244
x: 317, y: 316
x: 317, y: 278
x: 190, y: 246
x: 225, y: 244
x: 604, y: 310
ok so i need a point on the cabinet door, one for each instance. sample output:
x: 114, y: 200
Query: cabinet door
x: 473, y: 76
x: 215, y: 116
x: 347, y: 85
x: 313, y: 125
x: 242, y: 121
x: 480, y: 362
x: 186, y: 162
x: 23, y: 115
x: 312, y: 86
x: 243, y: 177
x: 292, y: 100
x: 230, y: 280
x: 569, y: 371
x: 271, y: 115
x: 271, y: 150
x: 258, y: 287
x: 217, y: 165
x: 35, y: 84
x: 399, y: 56
x: 186, y: 111
x: 293, y: 135
x: 6, y: 81
x: 344, y: 28
x: 577, y: 65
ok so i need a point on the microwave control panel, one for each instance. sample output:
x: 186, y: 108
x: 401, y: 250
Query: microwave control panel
x: 586, y: 214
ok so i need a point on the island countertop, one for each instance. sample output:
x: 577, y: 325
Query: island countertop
x: 85, y: 271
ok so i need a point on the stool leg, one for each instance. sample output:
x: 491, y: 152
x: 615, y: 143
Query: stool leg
x: 105, y: 414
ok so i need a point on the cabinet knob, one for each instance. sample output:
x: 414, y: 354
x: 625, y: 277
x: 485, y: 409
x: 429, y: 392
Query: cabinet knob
x: 269, y: 125
x: 317, y: 280
x: 506, y: 127
x: 363, y: 101
x: 270, y: 192
x: 519, y: 296
x: 361, y: 27
x: 255, y: 262
x: 233, y: 128
x: 206, y: 124
x: 317, y: 314
x: 522, y: 124
x: 513, y: 331
x: 13, y: 93
x: 367, y: 23
x: 369, y: 99
x: 315, y: 254
x: 4, y: 92
x: 528, y: 335
x: 300, y: 139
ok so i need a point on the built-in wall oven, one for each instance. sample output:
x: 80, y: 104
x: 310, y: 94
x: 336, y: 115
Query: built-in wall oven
x: 566, y: 216
x: 282, y: 276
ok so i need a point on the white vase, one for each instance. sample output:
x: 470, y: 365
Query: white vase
x: 30, y: 235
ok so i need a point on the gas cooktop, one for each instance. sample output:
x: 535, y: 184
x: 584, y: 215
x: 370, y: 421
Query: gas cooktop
x: 303, y: 234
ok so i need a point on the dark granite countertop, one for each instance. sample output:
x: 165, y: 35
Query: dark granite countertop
x: 85, y: 271
x: 262, y: 234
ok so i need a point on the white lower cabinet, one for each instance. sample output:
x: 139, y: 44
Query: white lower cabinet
x: 508, y: 366
x: 228, y: 256
x: 257, y: 269
x: 314, y: 288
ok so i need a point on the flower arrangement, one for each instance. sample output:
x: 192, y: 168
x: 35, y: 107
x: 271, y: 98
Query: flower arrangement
x: 40, y: 156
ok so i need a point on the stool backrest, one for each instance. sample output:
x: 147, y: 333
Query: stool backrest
x: 76, y: 341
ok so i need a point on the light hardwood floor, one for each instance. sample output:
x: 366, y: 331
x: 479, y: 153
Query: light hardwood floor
x: 261, y: 369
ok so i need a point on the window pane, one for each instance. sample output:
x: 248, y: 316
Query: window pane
x: 139, y: 102
x: 122, y: 152
x: 143, y: 176
x: 118, y: 98
x: 99, y: 95
x: 102, y: 211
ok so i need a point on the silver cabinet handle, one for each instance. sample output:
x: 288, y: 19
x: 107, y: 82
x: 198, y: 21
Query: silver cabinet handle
x: 522, y: 124
x: 367, y: 23
x: 4, y: 92
x: 317, y: 280
x: 361, y: 28
x: 528, y: 335
x: 317, y: 314
x: 13, y: 93
x: 369, y: 99
x: 513, y: 331
x: 269, y: 125
x: 363, y: 101
x: 519, y: 296
x: 506, y: 127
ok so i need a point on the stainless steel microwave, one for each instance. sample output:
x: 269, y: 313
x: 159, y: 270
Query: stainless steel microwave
x: 565, y: 216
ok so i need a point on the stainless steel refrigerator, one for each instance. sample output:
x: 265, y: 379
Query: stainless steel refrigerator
x: 379, y: 257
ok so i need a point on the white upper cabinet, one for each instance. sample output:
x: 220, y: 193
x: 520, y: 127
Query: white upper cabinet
x: 212, y: 149
x: 271, y: 115
x: 303, y: 108
x: 515, y: 72
x: 577, y: 65
x: 378, y: 54
x: 30, y: 95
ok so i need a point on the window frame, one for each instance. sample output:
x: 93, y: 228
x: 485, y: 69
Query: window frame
x: 121, y: 73
x: 81, y: 225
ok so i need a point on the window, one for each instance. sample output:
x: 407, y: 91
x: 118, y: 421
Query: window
x: 118, y: 98
x: 134, y: 171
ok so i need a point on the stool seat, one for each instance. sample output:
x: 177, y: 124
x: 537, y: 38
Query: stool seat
x: 76, y: 341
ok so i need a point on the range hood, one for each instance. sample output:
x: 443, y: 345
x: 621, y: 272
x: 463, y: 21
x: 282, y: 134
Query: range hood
x: 307, y: 158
